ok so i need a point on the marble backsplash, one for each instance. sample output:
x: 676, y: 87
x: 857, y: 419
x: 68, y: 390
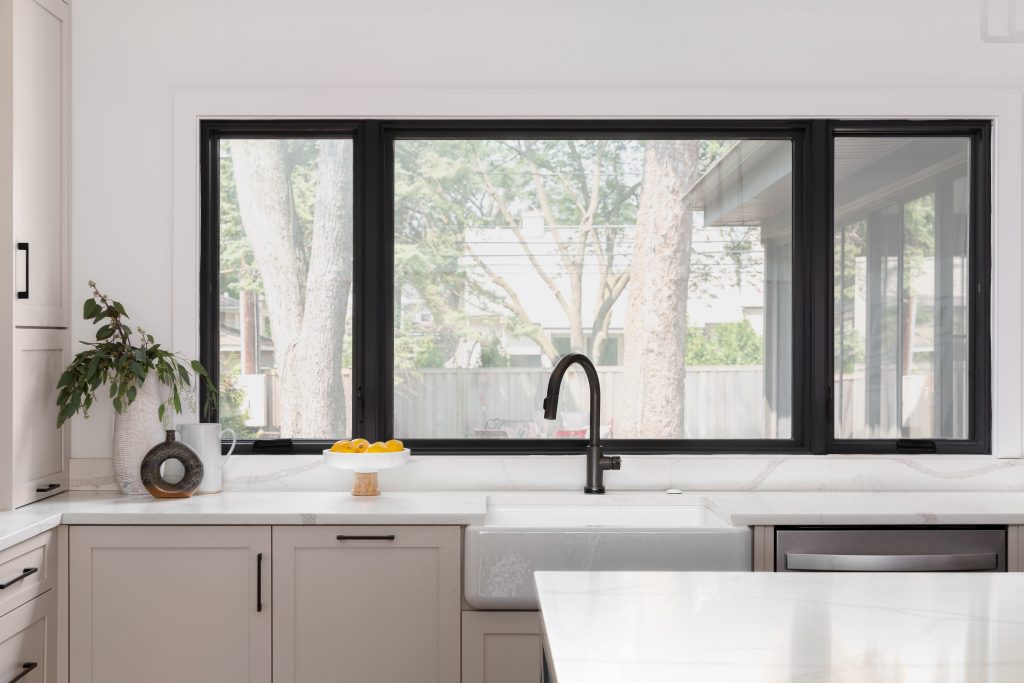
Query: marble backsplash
x: 638, y: 473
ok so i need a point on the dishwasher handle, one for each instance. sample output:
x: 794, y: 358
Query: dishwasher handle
x: 959, y: 562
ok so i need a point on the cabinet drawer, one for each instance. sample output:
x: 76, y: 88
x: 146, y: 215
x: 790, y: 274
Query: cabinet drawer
x: 27, y: 570
x: 39, y: 448
x: 28, y: 642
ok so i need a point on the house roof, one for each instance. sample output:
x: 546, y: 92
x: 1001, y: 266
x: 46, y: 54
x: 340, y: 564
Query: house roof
x: 751, y: 184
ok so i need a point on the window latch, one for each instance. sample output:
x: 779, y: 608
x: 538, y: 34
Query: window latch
x: 916, y: 445
x: 271, y: 446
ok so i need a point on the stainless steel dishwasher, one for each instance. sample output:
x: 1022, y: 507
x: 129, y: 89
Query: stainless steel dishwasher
x: 890, y: 549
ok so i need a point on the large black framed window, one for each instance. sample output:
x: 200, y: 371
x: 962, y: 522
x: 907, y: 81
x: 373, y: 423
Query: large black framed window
x: 768, y: 286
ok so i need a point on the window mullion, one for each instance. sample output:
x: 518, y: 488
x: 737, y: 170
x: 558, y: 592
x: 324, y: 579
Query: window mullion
x: 819, y: 332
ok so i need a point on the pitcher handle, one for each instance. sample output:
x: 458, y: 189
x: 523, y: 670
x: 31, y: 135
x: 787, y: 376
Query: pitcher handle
x: 234, y: 440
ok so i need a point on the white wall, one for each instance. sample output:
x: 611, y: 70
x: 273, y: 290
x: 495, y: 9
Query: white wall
x: 136, y: 61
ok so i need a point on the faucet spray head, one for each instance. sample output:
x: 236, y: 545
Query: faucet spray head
x: 550, y: 406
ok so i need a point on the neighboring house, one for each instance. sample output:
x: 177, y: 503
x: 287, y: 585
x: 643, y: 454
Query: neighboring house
x: 720, y: 295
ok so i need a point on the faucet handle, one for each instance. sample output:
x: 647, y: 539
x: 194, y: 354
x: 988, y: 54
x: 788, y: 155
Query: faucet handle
x: 613, y: 462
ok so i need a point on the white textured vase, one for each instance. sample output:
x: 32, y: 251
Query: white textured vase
x: 136, y: 430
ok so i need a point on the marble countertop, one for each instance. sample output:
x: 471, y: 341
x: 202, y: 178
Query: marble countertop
x: 87, y: 507
x: 868, y: 507
x: 766, y: 627
x: 466, y: 508
x: 750, y: 508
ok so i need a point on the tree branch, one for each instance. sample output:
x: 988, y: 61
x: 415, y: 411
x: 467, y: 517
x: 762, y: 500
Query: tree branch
x: 515, y: 305
x: 517, y: 231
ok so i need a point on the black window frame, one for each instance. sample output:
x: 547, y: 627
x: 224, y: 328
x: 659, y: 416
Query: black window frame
x: 812, y: 341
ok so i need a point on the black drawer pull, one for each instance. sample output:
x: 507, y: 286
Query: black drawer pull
x: 343, y: 537
x: 23, y: 294
x: 26, y: 669
x: 25, y: 573
x: 259, y: 582
x: 49, y: 487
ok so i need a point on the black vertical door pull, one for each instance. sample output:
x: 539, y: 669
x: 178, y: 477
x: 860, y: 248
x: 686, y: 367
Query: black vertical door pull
x: 23, y: 293
x: 259, y: 582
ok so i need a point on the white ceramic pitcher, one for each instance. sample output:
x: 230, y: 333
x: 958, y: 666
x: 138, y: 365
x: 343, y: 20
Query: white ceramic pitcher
x: 205, y: 438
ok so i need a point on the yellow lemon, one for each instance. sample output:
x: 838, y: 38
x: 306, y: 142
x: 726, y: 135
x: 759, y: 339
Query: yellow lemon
x: 377, y: 447
x: 342, y: 447
x: 360, y: 445
x: 394, y: 446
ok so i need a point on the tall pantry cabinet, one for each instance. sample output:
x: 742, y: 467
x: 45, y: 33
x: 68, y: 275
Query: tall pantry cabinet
x: 34, y: 178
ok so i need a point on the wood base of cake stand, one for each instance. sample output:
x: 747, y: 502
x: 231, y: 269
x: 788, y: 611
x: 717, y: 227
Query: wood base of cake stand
x: 365, y: 484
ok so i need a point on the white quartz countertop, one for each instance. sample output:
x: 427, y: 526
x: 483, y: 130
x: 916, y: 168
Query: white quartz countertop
x: 868, y: 507
x: 82, y: 507
x: 466, y: 508
x: 750, y: 508
x: 765, y: 627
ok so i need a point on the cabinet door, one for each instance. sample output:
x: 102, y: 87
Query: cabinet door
x: 1015, y: 549
x: 41, y: 40
x: 501, y: 647
x: 170, y: 604
x: 28, y: 641
x: 359, y: 604
x: 40, y: 449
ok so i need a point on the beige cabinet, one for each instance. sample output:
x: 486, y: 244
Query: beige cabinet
x: 27, y: 570
x: 373, y: 603
x: 39, y: 81
x: 501, y: 647
x: 28, y: 641
x: 1015, y: 549
x: 170, y: 604
x: 39, y: 452
x: 34, y: 144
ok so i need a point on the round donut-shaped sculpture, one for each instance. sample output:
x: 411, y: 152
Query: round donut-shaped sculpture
x: 170, y: 449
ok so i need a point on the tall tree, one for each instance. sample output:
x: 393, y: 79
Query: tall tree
x: 306, y: 278
x: 587, y: 192
x: 659, y: 283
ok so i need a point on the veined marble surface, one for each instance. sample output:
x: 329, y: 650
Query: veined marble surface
x: 764, y: 628
x: 466, y: 508
x: 81, y: 507
x: 638, y: 473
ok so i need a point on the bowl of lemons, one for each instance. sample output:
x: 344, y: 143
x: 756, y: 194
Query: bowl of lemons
x: 366, y: 459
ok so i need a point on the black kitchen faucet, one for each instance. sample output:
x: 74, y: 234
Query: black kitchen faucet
x: 597, y: 463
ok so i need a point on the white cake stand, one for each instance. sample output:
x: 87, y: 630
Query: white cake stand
x: 366, y: 466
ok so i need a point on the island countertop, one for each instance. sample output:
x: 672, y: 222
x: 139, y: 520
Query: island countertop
x: 655, y: 627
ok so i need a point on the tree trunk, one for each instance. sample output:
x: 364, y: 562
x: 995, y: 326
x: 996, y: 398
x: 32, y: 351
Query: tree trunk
x: 307, y: 305
x: 655, y: 341
x: 248, y: 332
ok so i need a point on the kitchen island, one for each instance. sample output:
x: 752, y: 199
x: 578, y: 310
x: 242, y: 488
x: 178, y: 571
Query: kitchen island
x: 651, y: 627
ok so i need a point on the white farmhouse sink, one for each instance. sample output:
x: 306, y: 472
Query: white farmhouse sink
x: 573, y: 533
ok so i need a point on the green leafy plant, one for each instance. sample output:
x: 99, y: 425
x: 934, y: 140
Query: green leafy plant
x: 115, y: 359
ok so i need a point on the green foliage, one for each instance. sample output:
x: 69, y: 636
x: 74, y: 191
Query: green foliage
x: 588, y: 191
x: 231, y: 399
x: 114, y: 359
x: 724, y: 344
x: 494, y: 355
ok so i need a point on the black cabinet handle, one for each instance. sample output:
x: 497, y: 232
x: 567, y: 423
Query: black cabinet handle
x: 25, y: 573
x: 259, y: 582
x: 26, y: 669
x: 343, y: 537
x: 23, y: 294
x: 49, y: 487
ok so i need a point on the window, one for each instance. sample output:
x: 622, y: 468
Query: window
x: 510, y: 253
x: 284, y: 283
x: 910, y: 360
x: 420, y: 279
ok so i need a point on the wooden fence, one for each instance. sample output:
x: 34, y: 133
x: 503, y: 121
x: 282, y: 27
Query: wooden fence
x: 721, y: 402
